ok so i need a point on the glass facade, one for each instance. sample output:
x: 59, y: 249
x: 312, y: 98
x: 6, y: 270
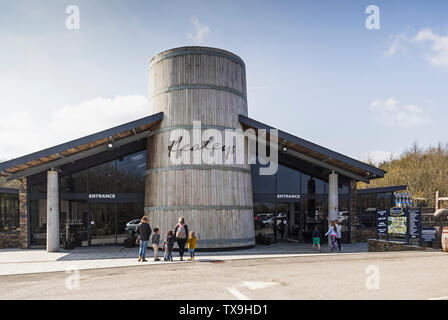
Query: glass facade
x: 9, y: 212
x: 367, y: 206
x: 288, y: 205
x: 93, y: 221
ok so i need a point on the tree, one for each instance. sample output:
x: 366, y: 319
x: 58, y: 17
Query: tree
x: 423, y: 170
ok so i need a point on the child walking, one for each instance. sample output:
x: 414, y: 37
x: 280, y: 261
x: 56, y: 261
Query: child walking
x: 155, y: 240
x: 316, y: 238
x: 168, y: 245
x: 333, y: 233
x: 191, y: 244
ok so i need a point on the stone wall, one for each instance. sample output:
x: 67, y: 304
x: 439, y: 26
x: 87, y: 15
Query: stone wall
x: 23, y: 206
x: 9, y: 240
x: 362, y: 235
x: 374, y: 245
x: 353, y: 213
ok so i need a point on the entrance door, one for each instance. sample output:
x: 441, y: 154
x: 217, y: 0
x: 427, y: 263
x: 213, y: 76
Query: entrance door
x: 287, y: 226
x: 127, y: 212
x: 102, y: 224
x: 74, y: 223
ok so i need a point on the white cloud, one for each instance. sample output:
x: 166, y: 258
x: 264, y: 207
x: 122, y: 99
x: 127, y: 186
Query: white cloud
x: 20, y: 134
x: 97, y: 114
x: 391, y: 112
x: 201, y: 31
x: 399, y: 43
x: 438, y: 53
x: 376, y: 156
x: 16, y: 134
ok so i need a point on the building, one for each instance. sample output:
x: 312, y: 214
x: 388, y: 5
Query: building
x: 99, y: 183
x: 369, y: 201
x: 9, y: 218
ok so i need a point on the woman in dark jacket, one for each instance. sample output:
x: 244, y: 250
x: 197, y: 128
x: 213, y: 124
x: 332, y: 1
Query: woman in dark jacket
x: 181, y: 234
x: 144, y: 231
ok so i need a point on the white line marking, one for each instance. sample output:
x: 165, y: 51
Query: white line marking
x: 439, y: 298
x: 237, y: 293
x: 257, y: 285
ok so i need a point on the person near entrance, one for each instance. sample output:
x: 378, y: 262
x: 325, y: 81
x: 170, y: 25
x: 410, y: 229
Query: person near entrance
x: 144, y: 232
x: 316, y: 238
x: 333, y: 234
x: 181, y: 232
x: 155, y: 241
x: 282, y: 228
x: 339, y: 236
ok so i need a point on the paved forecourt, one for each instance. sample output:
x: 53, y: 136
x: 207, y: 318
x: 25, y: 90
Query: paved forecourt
x: 26, y: 261
x: 362, y: 275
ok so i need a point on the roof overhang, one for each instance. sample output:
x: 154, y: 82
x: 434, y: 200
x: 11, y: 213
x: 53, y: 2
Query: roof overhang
x: 381, y: 190
x: 317, y: 155
x: 9, y: 191
x: 68, y: 152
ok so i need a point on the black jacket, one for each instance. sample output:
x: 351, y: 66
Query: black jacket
x: 170, y: 241
x: 144, y: 230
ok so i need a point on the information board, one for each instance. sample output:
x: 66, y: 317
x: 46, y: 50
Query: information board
x: 381, y: 223
x: 414, y: 223
x: 429, y: 234
x: 397, y: 222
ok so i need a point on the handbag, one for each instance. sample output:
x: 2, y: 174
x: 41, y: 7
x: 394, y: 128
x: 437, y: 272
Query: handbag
x: 138, y: 238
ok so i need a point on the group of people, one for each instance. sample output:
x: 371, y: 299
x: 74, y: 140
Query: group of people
x: 179, y: 235
x: 334, y: 232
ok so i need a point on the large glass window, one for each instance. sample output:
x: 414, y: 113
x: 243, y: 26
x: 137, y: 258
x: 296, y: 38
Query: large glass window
x: 305, y: 182
x: 321, y: 187
x: 262, y: 184
x: 102, y: 178
x: 367, y: 212
x: 127, y: 212
x: 38, y: 222
x: 288, y: 180
x: 108, y: 219
x: 9, y: 212
x: 131, y: 173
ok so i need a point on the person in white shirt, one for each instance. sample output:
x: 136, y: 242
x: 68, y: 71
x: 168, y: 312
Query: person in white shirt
x: 333, y: 234
x: 339, y: 235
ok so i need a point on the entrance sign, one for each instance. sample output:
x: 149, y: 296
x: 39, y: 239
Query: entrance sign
x: 102, y: 196
x: 288, y: 196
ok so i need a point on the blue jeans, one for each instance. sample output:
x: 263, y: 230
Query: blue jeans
x: 142, y: 251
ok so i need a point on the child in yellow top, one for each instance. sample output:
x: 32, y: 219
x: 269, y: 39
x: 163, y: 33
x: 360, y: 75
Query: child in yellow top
x: 191, y: 244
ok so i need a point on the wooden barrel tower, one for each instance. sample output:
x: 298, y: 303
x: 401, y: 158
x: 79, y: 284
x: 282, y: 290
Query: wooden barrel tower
x: 208, y: 85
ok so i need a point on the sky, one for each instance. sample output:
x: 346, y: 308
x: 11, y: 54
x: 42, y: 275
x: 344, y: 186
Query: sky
x: 313, y: 67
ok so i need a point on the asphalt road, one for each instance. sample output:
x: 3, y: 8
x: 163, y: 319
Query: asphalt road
x: 392, y: 275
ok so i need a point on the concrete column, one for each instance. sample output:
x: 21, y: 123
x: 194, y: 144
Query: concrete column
x: 333, y: 197
x: 333, y: 200
x: 53, y: 244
